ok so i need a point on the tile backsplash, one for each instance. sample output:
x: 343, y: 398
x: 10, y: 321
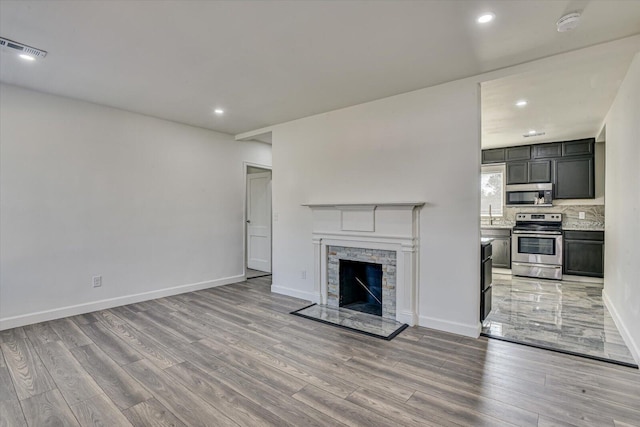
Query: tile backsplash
x: 594, y: 216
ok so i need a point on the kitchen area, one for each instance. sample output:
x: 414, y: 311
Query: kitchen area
x: 543, y: 216
x: 542, y: 260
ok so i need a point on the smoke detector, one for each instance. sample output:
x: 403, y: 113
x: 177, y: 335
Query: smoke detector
x: 21, y: 49
x: 568, y: 22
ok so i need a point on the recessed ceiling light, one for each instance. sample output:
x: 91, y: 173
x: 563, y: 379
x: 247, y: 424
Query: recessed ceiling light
x: 522, y: 103
x: 486, y: 17
x: 27, y: 57
x: 533, y: 133
x: 219, y: 111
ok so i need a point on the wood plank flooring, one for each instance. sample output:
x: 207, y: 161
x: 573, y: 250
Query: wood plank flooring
x: 233, y: 356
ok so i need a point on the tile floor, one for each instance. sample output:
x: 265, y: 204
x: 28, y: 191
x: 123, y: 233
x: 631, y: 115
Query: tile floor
x: 563, y: 315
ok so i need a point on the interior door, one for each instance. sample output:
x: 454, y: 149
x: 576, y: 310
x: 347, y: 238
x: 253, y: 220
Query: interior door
x: 259, y: 221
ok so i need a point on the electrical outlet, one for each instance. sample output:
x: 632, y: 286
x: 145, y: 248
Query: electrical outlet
x: 581, y: 215
x: 97, y: 281
x: 303, y: 274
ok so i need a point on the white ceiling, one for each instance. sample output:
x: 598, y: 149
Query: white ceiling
x: 267, y: 62
x: 567, y: 98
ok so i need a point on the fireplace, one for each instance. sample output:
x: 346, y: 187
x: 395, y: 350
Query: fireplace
x: 375, y: 268
x: 378, y: 241
x: 361, y: 286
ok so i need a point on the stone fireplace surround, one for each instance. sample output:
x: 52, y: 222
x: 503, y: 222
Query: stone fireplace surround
x: 387, y: 259
x: 365, y: 228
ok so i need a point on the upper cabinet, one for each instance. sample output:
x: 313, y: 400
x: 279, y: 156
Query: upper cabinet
x: 518, y: 153
x: 531, y: 172
x: 568, y: 165
x: 539, y: 171
x: 495, y: 155
x: 574, y: 178
x: 574, y: 171
x: 547, y: 151
x: 579, y: 147
x: 517, y: 173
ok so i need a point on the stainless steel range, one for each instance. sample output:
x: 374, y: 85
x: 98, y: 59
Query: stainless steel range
x: 537, y: 245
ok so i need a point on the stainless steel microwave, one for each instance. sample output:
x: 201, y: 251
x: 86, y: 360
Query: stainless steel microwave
x: 529, y: 195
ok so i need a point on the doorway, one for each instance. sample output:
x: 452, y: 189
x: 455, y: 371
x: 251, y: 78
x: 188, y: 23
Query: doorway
x: 258, y: 229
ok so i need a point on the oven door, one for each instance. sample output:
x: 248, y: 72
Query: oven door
x: 537, y: 248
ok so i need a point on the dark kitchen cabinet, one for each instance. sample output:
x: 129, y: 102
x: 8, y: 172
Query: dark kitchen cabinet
x: 539, y: 171
x: 517, y: 173
x: 501, y: 246
x: 579, y: 147
x: 568, y: 165
x: 485, y: 279
x: 574, y: 178
x: 529, y: 172
x: 518, y: 153
x: 583, y: 253
x: 495, y: 155
x: 485, y: 303
x: 546, y: 151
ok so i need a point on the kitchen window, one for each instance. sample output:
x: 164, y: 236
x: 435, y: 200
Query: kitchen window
x: 492, y: 190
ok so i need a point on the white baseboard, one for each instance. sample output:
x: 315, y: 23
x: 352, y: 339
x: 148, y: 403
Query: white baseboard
x: 296, y: 293
x: 634, y: 348
x: 468, y: 330
x: 407, y: 317
x: 72, y: 310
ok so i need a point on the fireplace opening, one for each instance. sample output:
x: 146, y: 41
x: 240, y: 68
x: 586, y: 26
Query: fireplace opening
x: 361, y: 286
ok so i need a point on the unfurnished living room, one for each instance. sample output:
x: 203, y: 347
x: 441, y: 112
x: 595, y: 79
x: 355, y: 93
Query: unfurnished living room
x: 320, y: 213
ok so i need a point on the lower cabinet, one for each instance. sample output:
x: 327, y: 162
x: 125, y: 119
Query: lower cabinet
x: 485, y: 279
x: 485, y: 303
x: 501, y: 246
x: 583, y: 253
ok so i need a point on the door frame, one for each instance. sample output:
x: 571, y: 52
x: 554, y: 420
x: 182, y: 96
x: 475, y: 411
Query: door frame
x: 245, y: 168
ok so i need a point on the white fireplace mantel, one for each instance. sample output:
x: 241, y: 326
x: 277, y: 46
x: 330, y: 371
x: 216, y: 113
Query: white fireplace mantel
x: 392, y: 226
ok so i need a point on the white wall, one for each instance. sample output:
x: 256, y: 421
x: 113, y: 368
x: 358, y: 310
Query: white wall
x: 419, y: 146
x: 86, y: 190
x: 622, y: 229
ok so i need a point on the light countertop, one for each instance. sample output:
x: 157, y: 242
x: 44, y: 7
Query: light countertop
x: 497, y: 227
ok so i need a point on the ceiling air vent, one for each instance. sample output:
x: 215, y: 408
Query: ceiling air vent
x: 16, y: 47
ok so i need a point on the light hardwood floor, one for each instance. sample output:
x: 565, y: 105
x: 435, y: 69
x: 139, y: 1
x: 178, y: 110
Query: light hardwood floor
x: 233, y: 355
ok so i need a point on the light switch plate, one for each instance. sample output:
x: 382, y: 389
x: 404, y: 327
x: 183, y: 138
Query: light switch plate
x: 581, y: 215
